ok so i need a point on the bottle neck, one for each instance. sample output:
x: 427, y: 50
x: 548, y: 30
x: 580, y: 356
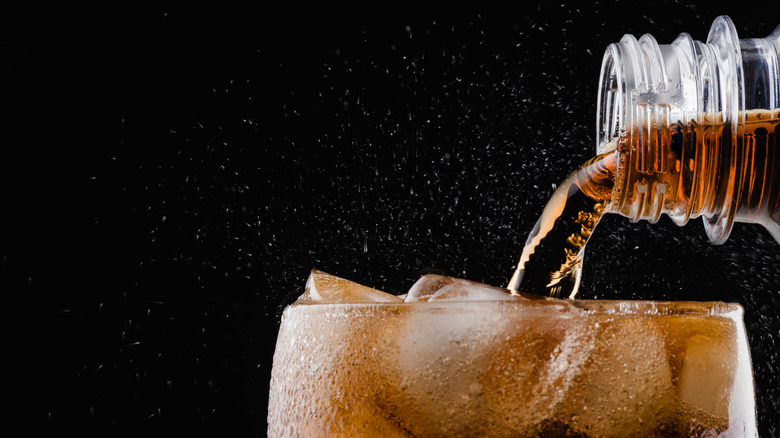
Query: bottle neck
x: 693, y: 124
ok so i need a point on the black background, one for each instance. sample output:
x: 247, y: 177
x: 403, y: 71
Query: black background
x: 206, y: 159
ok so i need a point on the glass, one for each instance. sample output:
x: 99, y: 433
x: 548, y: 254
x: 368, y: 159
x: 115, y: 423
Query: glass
x: 464, y: 359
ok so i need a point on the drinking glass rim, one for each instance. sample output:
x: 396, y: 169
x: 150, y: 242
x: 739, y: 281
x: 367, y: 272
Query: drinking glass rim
x: 562, y: 307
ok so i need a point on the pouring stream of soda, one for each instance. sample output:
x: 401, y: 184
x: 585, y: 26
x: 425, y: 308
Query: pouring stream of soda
x: 551, y: 261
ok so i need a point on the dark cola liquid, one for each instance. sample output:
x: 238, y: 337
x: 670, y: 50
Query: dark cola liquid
x: 551, y: 261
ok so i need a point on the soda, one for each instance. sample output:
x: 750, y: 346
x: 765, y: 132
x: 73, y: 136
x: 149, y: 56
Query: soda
x: 459, y: 359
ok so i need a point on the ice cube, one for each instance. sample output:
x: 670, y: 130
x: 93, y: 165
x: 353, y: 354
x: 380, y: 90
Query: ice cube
x: 708, y: 374
x: 327, y: 369
x: 467, y: 292
x: 625, y: 384
x: 435, y: 362
x: 702, y: 352
x: 483, y: 368
x: 429, y: 284
x: 530, y: 369
x: 439, y: 287
x: 324, y: 288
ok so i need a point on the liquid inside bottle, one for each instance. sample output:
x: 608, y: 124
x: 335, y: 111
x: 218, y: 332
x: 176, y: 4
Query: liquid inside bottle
x: 700, y: 169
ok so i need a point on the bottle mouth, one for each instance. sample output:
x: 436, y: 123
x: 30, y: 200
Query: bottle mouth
x: 610, y: 105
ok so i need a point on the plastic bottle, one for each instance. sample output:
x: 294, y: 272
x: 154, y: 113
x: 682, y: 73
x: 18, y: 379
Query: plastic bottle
x: 694, y: 126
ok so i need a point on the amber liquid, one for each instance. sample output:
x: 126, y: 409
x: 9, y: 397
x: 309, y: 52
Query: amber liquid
x: 551, y: 261
x: 763, y: 158
x: 695, y: 170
